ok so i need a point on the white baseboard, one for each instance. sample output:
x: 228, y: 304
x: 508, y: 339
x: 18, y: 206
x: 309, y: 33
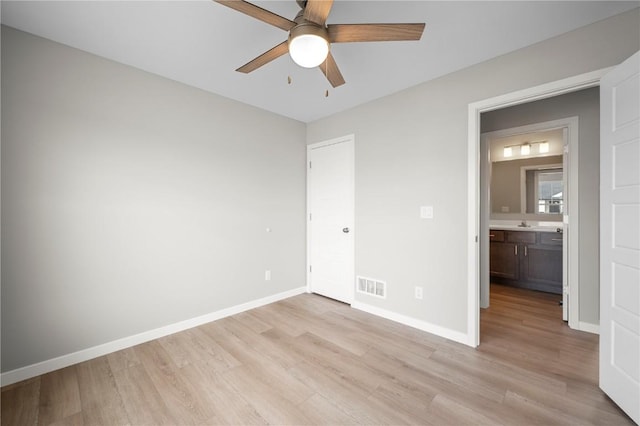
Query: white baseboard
x: 588, y: 327
x: 447, y: 333
x: 47, y: 366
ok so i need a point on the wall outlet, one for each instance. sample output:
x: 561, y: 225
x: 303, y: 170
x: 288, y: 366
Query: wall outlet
x: 418, y: 293
x: 267, y: 275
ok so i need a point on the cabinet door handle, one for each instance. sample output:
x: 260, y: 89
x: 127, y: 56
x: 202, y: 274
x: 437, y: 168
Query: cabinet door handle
x: 515, y: 250
x: 556, y: 239
x: 491, y: 235
x: 525, y: 250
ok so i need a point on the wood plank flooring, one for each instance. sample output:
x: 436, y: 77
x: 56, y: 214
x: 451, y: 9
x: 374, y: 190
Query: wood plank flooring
x: 311, y: 360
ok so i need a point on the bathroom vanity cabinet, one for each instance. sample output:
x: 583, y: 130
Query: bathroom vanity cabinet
x: 527, y: 259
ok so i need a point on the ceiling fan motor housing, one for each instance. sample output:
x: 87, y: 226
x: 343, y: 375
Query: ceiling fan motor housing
x: 309, y: 28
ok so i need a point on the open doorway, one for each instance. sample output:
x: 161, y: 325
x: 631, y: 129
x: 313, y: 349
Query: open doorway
x: 577, y: 96
x: 529, y: 180
x: 526, y: 191
x: 576, y: 114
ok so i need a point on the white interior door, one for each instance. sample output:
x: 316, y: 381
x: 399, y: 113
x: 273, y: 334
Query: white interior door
x: 620, y: 236
x: 330, y: 218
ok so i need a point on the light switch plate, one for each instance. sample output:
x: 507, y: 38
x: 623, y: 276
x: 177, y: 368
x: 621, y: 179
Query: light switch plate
x: 267, y: 275
x: 426, y: 212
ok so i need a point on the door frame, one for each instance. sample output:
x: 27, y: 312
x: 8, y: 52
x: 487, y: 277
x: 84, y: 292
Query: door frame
x: 547, y: 90
x: 350, y: 140
x: 571, y: 241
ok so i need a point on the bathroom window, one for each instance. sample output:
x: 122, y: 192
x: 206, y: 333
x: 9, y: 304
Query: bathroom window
x: 549, y: 186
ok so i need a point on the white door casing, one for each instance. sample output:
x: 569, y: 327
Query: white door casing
x: 568, y: 207
x: 330, y: 218
x: 620, y: 235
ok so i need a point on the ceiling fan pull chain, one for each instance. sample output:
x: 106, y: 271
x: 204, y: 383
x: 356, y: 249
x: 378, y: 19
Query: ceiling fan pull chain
x: 326, y: 73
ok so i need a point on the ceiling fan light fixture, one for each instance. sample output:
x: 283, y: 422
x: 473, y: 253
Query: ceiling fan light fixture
x: 308, y: 45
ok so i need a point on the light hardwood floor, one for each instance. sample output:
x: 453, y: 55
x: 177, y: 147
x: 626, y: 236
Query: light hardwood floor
x: 311, y: 360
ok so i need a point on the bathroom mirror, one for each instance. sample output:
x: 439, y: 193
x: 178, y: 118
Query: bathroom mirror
x: 542, y: 193
x: 525, y: 176
x: 527, y: 186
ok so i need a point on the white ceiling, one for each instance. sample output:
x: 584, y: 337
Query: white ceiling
x: 201, y: 43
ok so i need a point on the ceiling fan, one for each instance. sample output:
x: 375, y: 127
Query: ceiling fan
x: 310, y: 37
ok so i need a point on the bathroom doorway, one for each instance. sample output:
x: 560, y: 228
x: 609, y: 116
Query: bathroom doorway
x: 577, y: 114
x: 526, y: 181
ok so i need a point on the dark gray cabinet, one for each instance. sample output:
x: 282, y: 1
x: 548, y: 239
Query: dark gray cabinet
x: 503, y: 257
x: 527, y: 259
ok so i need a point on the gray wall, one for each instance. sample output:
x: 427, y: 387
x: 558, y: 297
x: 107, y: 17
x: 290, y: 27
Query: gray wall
x: 411, y: 150
x: 586, y: 105
x: 130, y: 201
x: 505, y: 183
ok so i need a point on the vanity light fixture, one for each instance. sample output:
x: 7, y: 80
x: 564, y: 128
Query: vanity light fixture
x: 543, y: 147
x: 525, y: 148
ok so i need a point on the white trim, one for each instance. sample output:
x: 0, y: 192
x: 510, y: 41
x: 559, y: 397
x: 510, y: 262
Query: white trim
x: 351, y: 140
x: 473, y: 220
x: 567, y: 85
x: 47, y: 366
x: 570, y: 225
x: 447, y: 333
x: 588, y: 327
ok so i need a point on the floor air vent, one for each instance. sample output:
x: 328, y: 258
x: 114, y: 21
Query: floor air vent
x: 372, y: 287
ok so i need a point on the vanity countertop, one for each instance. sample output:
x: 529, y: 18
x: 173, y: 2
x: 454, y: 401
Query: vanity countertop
x: 534, y: 227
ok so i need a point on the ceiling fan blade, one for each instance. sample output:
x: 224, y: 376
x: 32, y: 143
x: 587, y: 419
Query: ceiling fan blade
x: 265, y: 58
x: 317, y: 10
x: 348, y: 33
x: 258, y: 13
x: 331, y: 71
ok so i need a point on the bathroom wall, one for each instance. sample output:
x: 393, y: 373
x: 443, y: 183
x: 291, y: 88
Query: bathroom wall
x: 506, y: 184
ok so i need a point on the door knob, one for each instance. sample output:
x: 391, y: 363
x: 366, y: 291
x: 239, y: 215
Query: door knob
x: 345, y: 230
